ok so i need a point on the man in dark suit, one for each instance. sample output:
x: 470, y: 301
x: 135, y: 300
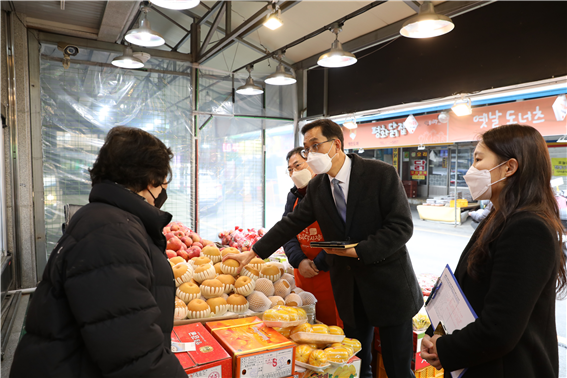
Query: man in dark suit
x: 374, y: 283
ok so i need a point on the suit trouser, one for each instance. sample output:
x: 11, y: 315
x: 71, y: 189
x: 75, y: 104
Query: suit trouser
x: 396, y: 341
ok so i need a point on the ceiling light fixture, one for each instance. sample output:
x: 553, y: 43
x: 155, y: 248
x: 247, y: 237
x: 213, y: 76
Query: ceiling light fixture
x: 280, y: 77
x: 144, y: 35
x: 336, y: 57
x: 443, y: 117
x: 462, y: 107
x: 176, y: 4
x: 427, y: 23
x: 273, y: 20
x: 127, y: 60
x: 351, y: 124
x: 249, y: 88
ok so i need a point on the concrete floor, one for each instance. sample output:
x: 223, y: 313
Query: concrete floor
x: 432, y: 246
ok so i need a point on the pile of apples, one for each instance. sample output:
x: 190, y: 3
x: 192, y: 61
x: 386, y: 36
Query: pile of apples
x: 183, y: 242
x: 240, y: 239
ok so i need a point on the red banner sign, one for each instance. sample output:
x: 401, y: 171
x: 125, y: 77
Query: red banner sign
x: 537, y: 113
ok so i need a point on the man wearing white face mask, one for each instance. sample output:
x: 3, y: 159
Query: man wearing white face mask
x: 374, y: 284
x: 311, y: 270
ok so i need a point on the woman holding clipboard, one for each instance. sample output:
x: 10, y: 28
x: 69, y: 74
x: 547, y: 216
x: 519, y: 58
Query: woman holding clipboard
x: 513, y: 267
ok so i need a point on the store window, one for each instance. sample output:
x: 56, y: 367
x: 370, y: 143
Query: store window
x: 279, y: 141
x: 385, y: 155
x: 81, y: 104
x: 438, y: 162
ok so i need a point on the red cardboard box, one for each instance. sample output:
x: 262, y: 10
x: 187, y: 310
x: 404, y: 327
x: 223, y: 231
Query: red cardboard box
x: 257, y: 350
x: 209, y: 359
x: 418, y: 363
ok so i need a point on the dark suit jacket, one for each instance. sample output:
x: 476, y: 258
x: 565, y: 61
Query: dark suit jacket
x: 379, y: 219
x: 292, y: 248
x: 515, y: 334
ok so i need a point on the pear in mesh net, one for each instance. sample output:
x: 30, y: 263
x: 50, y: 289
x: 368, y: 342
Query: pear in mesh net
x: 265, y: 286
x: 293, y: 300
x: 276, y: 301
x: 282, y: 288
x: 289, y: 278
x: 258, y: 301
x: 307, y: 298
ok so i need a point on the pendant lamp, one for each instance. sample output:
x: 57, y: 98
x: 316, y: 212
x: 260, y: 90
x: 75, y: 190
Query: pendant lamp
x: 249, y: 88
x: 336, y: 57
x: 127, y: 60
x: 427, y: 23
x: 280, y: 77
x: 144, y: 35
x: 176, y: 4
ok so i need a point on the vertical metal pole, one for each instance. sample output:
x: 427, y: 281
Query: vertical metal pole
x: 195, y: 41
x: 401, y: 162
x: 228, y: 18
x: 37, y: 152
x: 13, y: 143
x: 456, y: 179
x: 449, y: 163
x: 428, y: 177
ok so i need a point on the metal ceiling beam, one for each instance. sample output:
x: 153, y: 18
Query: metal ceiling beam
x: 213, y: 28
x: 229, y: 38
x: 247, y: 27
x: 111, y: 47
x: 389, y: 32
x: 210, y: 12
x: 414, y: 5
x: 228, y: 17
x: 116, y: 15
x: 315, y: 33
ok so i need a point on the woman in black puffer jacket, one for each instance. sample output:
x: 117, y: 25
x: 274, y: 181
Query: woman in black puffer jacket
x: 105, y: 305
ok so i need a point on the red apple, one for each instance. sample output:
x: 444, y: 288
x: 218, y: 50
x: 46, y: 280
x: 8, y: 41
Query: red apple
x: 179, y: 234
x: 166, y: 230
x: 183, y: 247
x: 187, y: 241
x: 174, y: 227
x: 194, y: 252
x: 183, y: 254
x: 206, y: 242
x: 198, y: 244
x: 195, y: 237
x: 174, y: 244
x: 170, y: 253
x: 169, y: 235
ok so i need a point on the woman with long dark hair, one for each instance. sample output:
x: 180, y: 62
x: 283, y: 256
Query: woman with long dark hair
x: 513, y: 267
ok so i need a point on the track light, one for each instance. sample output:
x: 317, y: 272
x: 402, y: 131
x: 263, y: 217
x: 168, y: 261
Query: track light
x: 176, y: 4
x: 249, y: 88
x: 144, y: 35
x: 127, y: 60
x: 273, y: 20
x: 462, y: 107
x: 336, y: 57
x: 427, y: 23
x: 350, y: 124
x: 280, y: 77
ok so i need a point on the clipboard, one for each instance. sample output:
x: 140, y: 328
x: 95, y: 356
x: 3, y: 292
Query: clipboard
x: 448, y: 308
x: 333, y: 244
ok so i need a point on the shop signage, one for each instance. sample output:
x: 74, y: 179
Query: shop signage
x: 537, y: 113
x: 418, y: 175
x: 395, y: 158
x: 559, y: 166
x: 419, y: 165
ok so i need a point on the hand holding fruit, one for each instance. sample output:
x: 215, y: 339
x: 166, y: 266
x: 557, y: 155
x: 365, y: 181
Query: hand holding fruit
x: 243, y: 258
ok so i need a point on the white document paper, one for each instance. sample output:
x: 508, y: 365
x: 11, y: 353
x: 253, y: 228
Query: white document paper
x: 449, y: 306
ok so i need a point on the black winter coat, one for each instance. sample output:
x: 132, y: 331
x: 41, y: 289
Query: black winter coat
x: 378, y: 217
x: 514, y: 334
x: 105, y: 305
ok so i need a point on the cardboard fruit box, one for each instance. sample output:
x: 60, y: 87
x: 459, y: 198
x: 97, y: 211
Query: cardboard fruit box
x: 209, y: 359
x: 257, y: 350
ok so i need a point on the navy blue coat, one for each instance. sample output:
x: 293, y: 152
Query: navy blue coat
x: 292, y: 248
x: 105, y: 305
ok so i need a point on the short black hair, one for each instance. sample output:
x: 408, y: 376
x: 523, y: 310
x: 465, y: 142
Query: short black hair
x: 329, y: 129
x: 132, y: 157
x: 295, y: 151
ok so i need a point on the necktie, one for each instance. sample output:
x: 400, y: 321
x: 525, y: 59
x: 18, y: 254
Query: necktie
x: 339, y: 199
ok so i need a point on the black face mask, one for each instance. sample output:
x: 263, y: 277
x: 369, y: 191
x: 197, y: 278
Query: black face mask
x: 160, y: 199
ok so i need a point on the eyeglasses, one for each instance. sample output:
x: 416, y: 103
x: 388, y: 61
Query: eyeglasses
x: 313, y: 148
x: 296, y: 167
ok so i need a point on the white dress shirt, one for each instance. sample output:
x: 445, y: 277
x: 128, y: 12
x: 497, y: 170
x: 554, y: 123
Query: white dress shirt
x: 344, y: 178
